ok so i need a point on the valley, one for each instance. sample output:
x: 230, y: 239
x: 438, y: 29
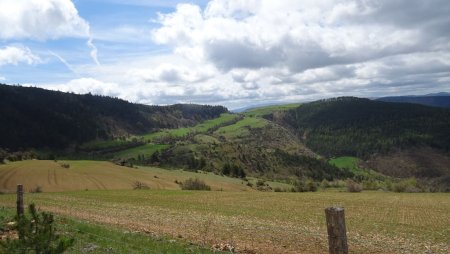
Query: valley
x: 270, y: 172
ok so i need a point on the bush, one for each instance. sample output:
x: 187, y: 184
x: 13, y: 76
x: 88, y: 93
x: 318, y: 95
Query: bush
x: 260, y: 183
x: 36, y: 235
x: 278, y: 189
x: 371, y: 185
x: 65, y: 165
x: 324, y: 184
x: 311, y: 186
x: 37, y: 189
x: 406, y: 185
x: 140, y: 186
x: 304, y: 186
x: 194, y: 184
x: 353, y: 186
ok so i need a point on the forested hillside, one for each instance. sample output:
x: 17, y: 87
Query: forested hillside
x: 362, y: 127
x: 39, y: 118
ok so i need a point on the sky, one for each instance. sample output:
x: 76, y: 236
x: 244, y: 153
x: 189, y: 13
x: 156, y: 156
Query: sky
x: 234, y: 53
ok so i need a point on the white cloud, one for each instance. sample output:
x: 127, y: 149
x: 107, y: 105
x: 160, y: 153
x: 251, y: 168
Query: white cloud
x: 87, y: 85
x: 16, y: 55
x: 94, y: 50
x: 299, y: 35
x: 173, y: 74
x: 41, y: 19
x: 237, y: 52
x: 300, y: 49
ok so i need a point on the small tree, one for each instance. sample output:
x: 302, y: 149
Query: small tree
x: 137, y: 185
x: 3, y: 155
x: 195, y: 184
x: 36, y: 235
x: 353, y: 186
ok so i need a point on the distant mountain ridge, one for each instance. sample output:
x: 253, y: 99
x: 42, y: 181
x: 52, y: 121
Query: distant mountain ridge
x: 38, y: 118
x: 441, y: 99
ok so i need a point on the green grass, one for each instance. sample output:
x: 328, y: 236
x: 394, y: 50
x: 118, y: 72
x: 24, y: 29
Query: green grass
x: 266, y: 110
x: 352, y: 163
x: 346, y: 162
x: 173, y: 133
x: 207, y: 125
x: 102, y: 238
x: 241, y: 127
x: 146, y: 150
x: 205, y: 139
x: 199, y: 128
x: 377, y: 222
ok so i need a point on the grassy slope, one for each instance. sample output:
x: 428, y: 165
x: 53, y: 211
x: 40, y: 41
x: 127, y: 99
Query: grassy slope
x: 377, y: 222
x: 241, y: 128
x: 97, y: 238
x: 94, y: 175
x: 261, y: 111
x: 346, y: 162
x: 148, y: 149
x: 249, y: 143
x: 199, y: 128
x: 353, y: 163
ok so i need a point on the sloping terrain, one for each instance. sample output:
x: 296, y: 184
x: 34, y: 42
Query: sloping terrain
x: 52, y: 176
x: 252, y: 145
x: 421, y: 162
x: 362, y: 127
x: 396, y: 139
x: 38, y: 118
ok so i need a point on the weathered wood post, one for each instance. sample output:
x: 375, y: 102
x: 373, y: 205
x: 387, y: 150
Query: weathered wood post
x: 337, y: 233
x: 20, y: 199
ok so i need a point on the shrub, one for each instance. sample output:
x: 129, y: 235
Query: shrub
x: 324, y: 184
x: 304, y: 186
x: 260, y: 183
x: 140, y: 186
x: 406, y: 185
x: 36, y: 235
x: 277, y: 189
x: 194, y: 184
x: 37, y: 189
x: 65, y: 165
x: 353, y: 186
x: 311, y: 186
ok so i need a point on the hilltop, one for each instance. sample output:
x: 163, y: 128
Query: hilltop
x: 397, y: 139
x: 38, y: 118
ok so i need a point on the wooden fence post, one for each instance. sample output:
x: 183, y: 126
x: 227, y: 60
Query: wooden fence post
x: 20, y: 199
x: 337, y: 233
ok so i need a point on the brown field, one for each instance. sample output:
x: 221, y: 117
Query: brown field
x: 257, y: 222
x: 100, y: 175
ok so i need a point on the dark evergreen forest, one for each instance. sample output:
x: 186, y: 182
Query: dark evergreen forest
x: 38, y: 118
x: 362, y: 127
